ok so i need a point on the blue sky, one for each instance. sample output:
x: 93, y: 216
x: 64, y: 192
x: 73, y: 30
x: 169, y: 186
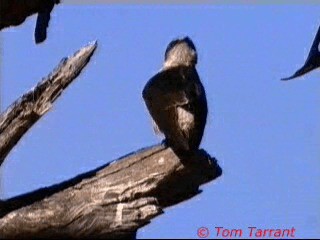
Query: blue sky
x: 264, y: 132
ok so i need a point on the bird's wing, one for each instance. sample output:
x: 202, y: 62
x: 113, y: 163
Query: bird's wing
x: 303, y: 70
x: 166, y: 95
x: 156, y: 128
x: 315, y: 44
x: 309, y: 64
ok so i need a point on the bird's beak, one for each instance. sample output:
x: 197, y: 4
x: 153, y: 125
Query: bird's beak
x: 308, y: 67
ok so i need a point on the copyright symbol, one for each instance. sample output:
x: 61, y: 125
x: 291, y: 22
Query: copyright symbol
x: 203, y: 232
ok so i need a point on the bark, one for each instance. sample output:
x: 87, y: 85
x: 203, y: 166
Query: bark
x: 112, y: 201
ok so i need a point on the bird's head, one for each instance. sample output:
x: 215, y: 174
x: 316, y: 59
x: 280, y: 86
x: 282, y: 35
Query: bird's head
x: 180, y: 52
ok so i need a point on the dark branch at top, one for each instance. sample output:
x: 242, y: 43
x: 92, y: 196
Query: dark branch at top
x: 14, y: 12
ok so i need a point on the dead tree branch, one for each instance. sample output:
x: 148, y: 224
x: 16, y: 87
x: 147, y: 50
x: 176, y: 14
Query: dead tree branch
x: 26, y: 111
x: 112, y: 201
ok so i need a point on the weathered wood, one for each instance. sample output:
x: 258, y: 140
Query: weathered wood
x: 112, y: 201
x: 24, y: 112
x: 14, y: 12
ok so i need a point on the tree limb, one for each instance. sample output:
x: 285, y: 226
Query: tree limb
x: 26, y: 111
x: 14, y: 12
x: 112, y: 201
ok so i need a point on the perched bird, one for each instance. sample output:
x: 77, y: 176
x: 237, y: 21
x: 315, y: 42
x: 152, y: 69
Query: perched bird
x: 176, y: 99
x: 313, y: 60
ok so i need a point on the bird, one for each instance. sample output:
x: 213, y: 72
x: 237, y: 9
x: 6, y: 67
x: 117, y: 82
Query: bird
x: 40, y: 33
x: 313, y: 59
x: 176, y: 98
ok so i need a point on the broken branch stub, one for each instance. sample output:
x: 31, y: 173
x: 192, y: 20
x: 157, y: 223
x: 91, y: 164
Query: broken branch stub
x: 27, y: 110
